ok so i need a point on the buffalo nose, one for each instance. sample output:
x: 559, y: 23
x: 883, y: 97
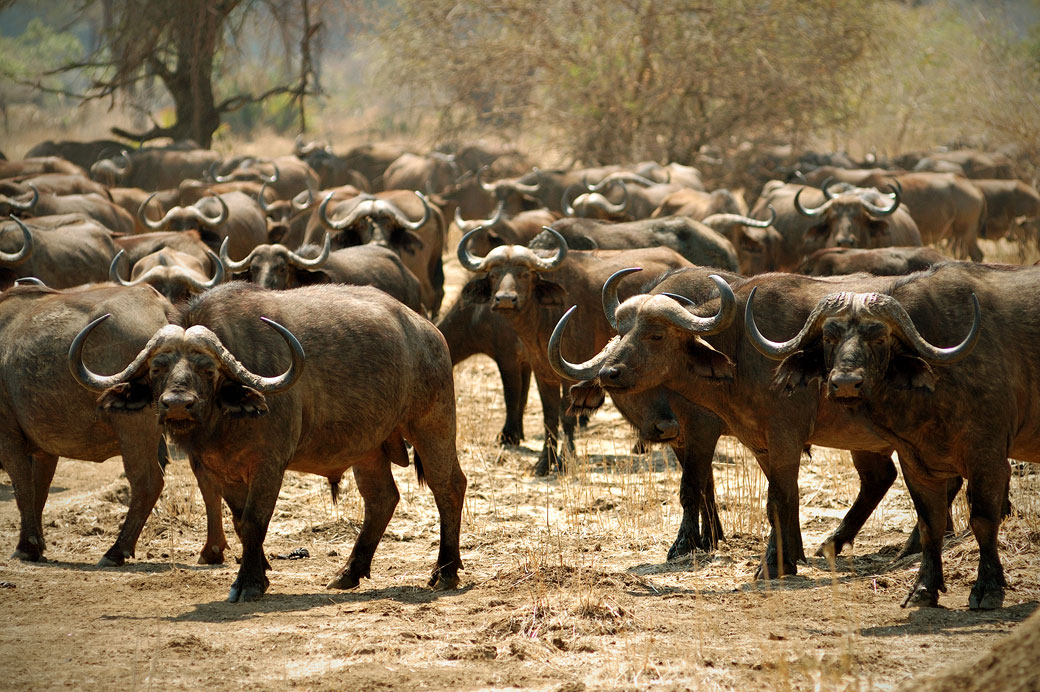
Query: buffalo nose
x: 178, y: 400
x: 846, y: 242
x: 505, y: 301
x: 667, y: 429
x: 845, y: 384
x: 611, y: 372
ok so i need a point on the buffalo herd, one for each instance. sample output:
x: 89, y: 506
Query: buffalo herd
x: 259, y: 315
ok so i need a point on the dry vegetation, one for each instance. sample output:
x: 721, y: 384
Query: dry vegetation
x: 565, y: 585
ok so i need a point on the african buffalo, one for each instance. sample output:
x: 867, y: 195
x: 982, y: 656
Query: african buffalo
x: 529, y: 291
x: 500, y: 230
x: 232, y: 215
x: 704, y: 356
x: 432, y: 173
x: 77, y: 251
x: 176, y: 275
x: 83, y: 154
x: 757, y: 243
x: 277, y: 267
x: 884, y: 261
x: 956, y: 410
x: 1008, y: 203
x: 44, y: 414
x: 375, y: 376
x: 154, y: 168
x: 99, y: 208
x: 857, y: 217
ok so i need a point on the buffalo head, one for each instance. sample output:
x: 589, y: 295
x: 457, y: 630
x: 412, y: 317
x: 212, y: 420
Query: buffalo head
x: 652, y: 330
x: 855, y: 341
x: 188, y: 375
x: 190, y: 218
x: 513, y: 274
x: 176, y: 275
x: 276, y: 266
x: 853, y: 218
x: 375, y: 220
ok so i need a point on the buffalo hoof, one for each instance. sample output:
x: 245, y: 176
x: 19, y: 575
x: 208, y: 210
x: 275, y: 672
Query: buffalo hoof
x: 240, y: 593
x: 544, y: 466
x: 682, y: 547
x: 28, y: 555
x: 211, y: 555
x: 986, y: 597
x: 443, y: 582
x: 830, y: 548
x: 344, y: 581
x: 922, y: 597
x: 111, y: 561
x: 772, y: 571
x: 510, y: 438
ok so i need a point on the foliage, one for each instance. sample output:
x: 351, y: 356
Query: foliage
x: 633, y: 79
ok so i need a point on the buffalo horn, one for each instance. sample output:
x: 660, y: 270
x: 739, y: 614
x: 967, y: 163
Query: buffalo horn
x: 581, y: 371
x: 609, y: 294
x: 26, y: 249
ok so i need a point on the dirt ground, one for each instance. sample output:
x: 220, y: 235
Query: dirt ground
x: 565, y: 586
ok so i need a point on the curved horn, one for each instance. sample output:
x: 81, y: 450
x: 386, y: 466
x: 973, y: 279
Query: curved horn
x: 705, y: 326
x: 29, y: 281
x: 561, y: 251
x: 27, y: 246
x: 212, y: 173
x: 824, y: 185
x: 487, y: 223
x: 807, y: 212
x: 480, y: 180
x: 232, y: 265
x: 261, y: 200
x: 582, y: 371
x: 347, y: 220
x: 265, y: 385
x: 272, y: 178
x: 142, y: 213
x: 890, y: 307
x: 778, y: 350
x: 717, y: 221
x: 304, y: 206
x: 323, y: 256
x: 218, y: 272
x: 468, y: 261
x: 414, y: 225
x: 623, y: 204
x: 99, y: 383
x: 566, y: 201
x: 25, y: 206
x: 609, y: 294
x: 219, y: 218
x: 113, y: 270
x: 881, y: 211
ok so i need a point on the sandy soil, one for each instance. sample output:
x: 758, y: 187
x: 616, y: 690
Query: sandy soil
x: 565, y: 585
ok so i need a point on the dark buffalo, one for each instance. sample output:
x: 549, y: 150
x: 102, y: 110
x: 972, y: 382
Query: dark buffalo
x: 1009, y: 203
x: 99, y: 208
x: 233, y: 215
x: 386, y: 219
x: 944, y: 365
x: 83, y: 154
x: 431, y: 173
x: 332, y: 170
x: 502, y: 230
x: 277, y: 267
x: 377, y: 376
x: 286, y: 218
x: 885, y: 261
x: 44, y: 414
x: 143, y: 244
x: 131, y: 198
x: 38, y: 166
x: 154, y: 168
x: 286, y: 176
x: 704, y: 356
x: 529, y: 290
x: 757, y: 243
x: 54, y: 184
x: 76, y: 251
x: 691, y: 239
x: 857, y: 217
x: 699, y: 205
x: 178, y: 276
x: 473, y: 327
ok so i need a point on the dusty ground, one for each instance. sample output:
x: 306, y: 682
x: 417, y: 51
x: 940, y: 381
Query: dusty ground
x: 565, y: 586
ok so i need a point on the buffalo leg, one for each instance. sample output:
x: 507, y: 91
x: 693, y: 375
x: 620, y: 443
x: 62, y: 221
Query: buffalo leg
x: 447, y: 482
x: 913, y: 543
x: 141, y: 465
x: 929, y: 496
x: 697, y: 490
x: 785, y: 539
x: 255, y: 516
x: 376, y: 485
x: 988, y: 491
x: 19, y: 466
x: 516, y: 381
x: 216, y: 542
x: 44, y: 466
x: 549, y: 459
x: 876, y: 475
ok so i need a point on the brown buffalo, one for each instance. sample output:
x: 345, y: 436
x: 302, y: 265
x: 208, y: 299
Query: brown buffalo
x: 757, y: 243
x: 332, y: 170
x: 699, y: 205
x: 500, y: 230
x: 37, y: 166
x: 857, y: 217
x: 154, y: 168
x: 99, y: 208
x: 701, y: 353
x: 944, y: 365
x: 54, y: 184
x: 529, y: 290
x: 1009, y: 204
x: 386, y: 219
x: 375, y: 376
x: 44, y: 414
x: 885, y: 261
x: 233, y: 215
x: 178, y: 276
x: 83, y: 154
x: 75, y: 251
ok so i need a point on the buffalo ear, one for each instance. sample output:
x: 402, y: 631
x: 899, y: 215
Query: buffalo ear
x: 911, y: 372
x: 750, y: 241
x: 477, y: 290
x: 799, y: 369
x: 409, y: 241
x: 548, y: 293
x: 240, y: 401
x: 704, y: 360
x: 126, y: 396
